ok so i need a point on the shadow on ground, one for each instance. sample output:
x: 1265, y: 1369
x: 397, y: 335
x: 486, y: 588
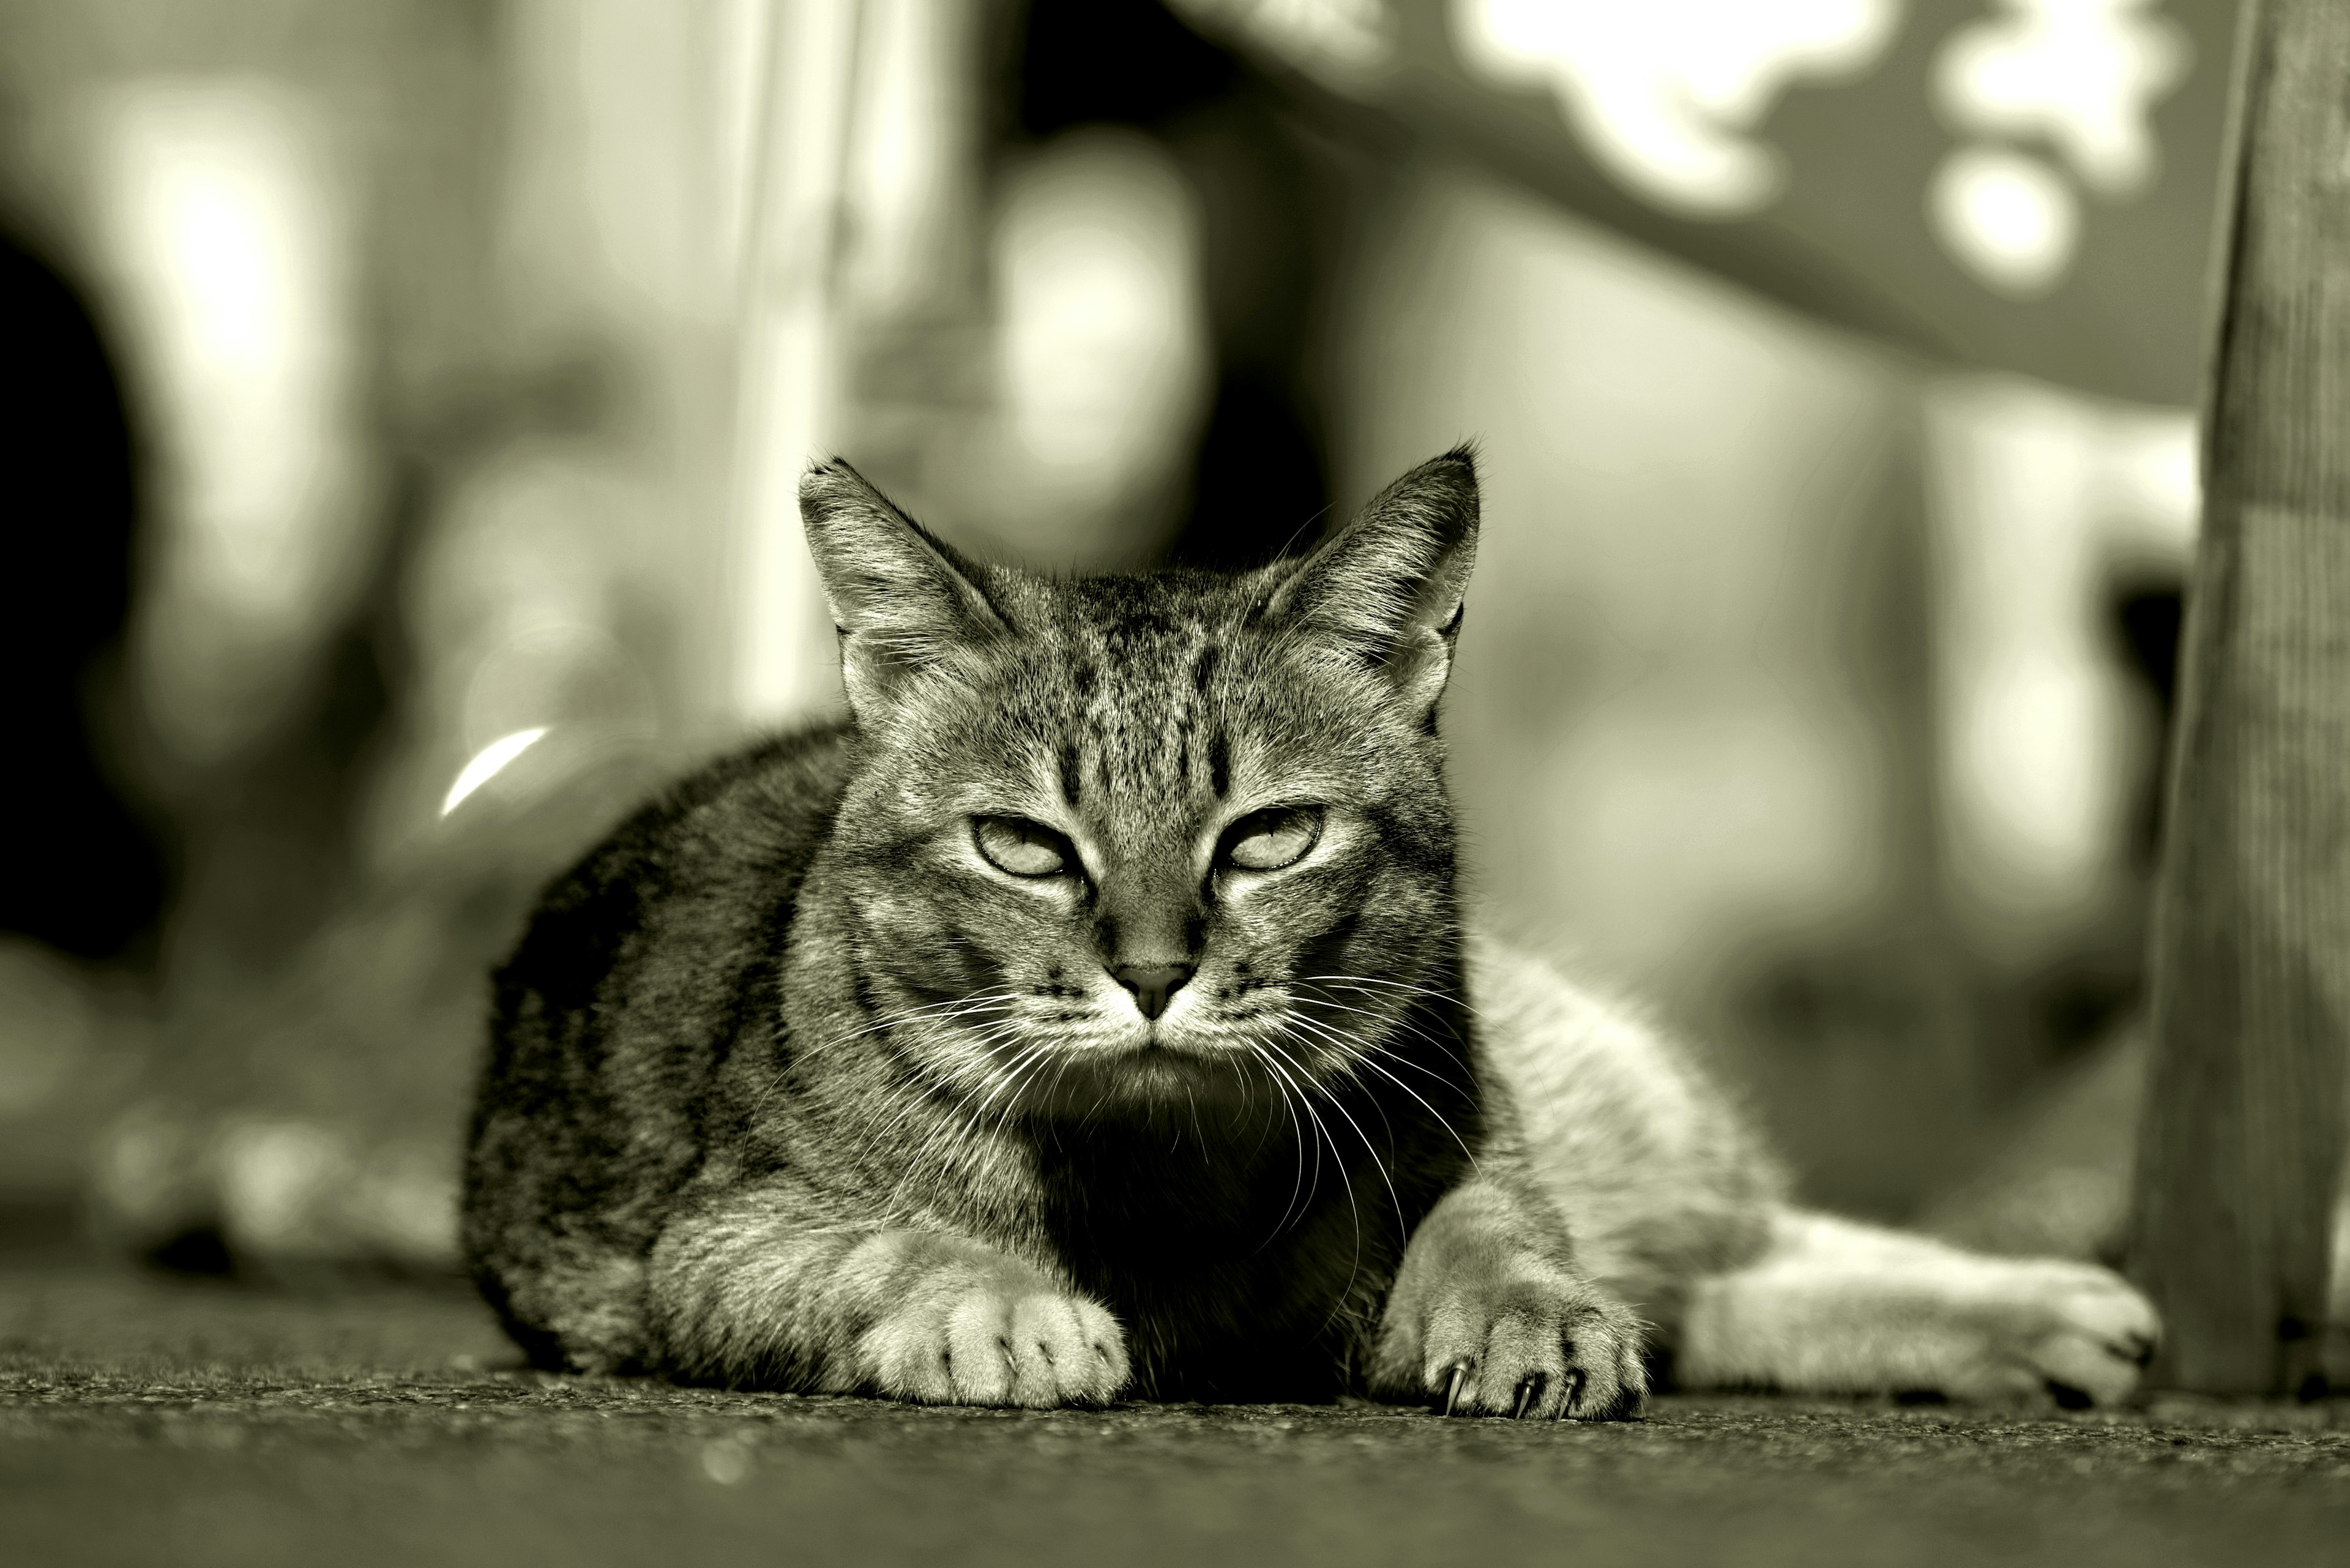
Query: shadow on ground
x: 150, y: 1419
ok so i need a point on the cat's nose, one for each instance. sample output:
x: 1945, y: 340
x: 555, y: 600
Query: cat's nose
x: 1152, y: 983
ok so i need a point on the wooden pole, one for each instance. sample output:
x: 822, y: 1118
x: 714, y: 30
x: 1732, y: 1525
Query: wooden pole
x: 789, y: 346
x: 2242, y: 1151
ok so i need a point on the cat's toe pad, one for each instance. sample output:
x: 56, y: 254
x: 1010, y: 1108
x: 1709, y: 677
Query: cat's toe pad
x: 1531, y: 1346
x: 999, y: 1341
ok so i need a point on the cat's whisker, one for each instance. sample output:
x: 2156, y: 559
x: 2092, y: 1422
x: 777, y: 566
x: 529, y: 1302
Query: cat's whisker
x: 1021, y: 1069
x: 1383, y: 1048
x: 978, y: 1002
x: 971, y: 1130
x: 879, y: 1139
x: 916, y: 1105
x: 939, y: 1129
x: 1370, y: 1149
x: 1395, y: 1022
x: 1435, y: 992
x: 1007, y: 1036
x: 900, y: 1019
x: 1365, y: 983
x: 1242, y: 1070
x: 985, y: 1001
x: 1338, y: 1158
x: 1289, y: 1101
x: 956, y: 1136
x: 1350, y: 1052
x: 1400, y: 1025
x: 1438, y: 1116
x: 1405, y: 1024
x: 1009, y: 1077
x: 1368, y: 1047
x: 1354, y: 1210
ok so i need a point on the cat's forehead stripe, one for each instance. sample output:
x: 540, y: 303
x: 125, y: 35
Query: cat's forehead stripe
x: 1139, y: 721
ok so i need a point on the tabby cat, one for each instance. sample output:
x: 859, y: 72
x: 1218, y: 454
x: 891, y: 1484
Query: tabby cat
x: 1091, y: 1013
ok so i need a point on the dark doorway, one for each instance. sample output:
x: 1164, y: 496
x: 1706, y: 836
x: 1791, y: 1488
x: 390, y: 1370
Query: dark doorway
x: 84, y: 872
x: 1260, y: 476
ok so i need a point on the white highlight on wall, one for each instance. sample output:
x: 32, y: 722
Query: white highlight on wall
x: 487, y: 763
x: 1339, y: 41
x: 2080, y: 78
x: 2009, y: 218
x: 219, y: 223
x: 2043, y: 502
x: 908, y: 185
x: 1102, y: 349
x: 1664, y: 93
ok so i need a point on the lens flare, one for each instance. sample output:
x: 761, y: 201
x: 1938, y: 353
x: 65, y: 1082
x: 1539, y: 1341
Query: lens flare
x: 487, y: 763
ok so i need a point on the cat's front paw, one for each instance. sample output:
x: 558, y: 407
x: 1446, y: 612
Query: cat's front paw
x: 1001, y: 1335
x: 1528, y: 1341
x: 2075, y: 1331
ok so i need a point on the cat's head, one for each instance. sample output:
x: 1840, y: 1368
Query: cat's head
x: 1118, y: 840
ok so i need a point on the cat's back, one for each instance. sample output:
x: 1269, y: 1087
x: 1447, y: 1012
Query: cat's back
x: 641, y: 971
x: 1659, y: 1174
x: 689, y: 887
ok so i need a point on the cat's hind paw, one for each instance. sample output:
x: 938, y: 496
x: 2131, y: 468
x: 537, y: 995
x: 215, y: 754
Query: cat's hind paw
x: 1838, y: 1307
x: 1008, y: 1336
x: 2074, y: 1332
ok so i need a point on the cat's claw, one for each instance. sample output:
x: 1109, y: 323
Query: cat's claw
x: 1530, y: 1347
x: 1015, y: 1338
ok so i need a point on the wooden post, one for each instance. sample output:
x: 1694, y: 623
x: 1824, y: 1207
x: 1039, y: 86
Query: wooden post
x: 788, y: 351
x: 2241, y: 1152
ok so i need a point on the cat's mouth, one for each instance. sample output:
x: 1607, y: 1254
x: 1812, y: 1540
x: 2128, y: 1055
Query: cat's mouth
x: 1148, y: 1067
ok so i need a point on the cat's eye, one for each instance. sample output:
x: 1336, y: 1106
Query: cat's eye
x: 1019, y: 847
x: 1269, y: 840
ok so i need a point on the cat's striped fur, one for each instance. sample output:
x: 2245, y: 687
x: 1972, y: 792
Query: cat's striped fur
x: 1091, y: 1014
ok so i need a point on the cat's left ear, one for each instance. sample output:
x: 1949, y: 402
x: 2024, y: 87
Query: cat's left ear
x: 902, y: 600
x: 1386, y: 592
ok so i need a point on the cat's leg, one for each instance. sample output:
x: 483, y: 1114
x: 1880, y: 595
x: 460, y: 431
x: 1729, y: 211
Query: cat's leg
x: 1488, y: 1315
x: 572, y: 1306
x: 744, y: 1287
x: 1835, y: 1306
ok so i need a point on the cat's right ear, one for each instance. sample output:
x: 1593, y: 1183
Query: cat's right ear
x: 903, y: 602
x: 1384, y: 594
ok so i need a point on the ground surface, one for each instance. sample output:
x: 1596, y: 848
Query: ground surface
x: 146, y: 1419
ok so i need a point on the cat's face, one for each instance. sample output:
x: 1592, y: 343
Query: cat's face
x: 1148, y: 840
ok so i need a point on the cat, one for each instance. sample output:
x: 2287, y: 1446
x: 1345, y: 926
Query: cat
x: 1089, y: 1015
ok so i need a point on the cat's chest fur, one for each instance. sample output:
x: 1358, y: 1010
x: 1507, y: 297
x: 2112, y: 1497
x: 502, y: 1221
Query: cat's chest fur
x: 1245, y: 1263
x: 1244, y: 1247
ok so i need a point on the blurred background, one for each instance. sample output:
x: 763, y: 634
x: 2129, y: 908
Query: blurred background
x: 406, y: 399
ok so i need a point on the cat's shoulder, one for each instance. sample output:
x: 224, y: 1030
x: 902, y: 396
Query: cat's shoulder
x: 1555, y: 1038
x: 772, y: 796
x: 724, y: 843
x: 1518, y: 996
x: 785, y: 784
